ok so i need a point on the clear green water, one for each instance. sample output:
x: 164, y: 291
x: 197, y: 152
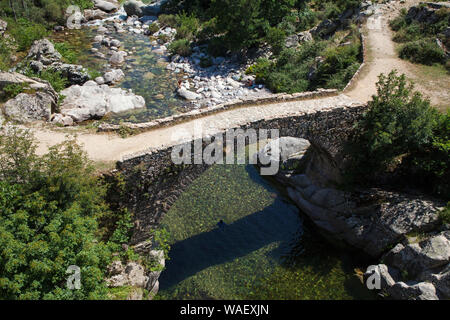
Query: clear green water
x: 146, y: 76
x: 266, y: 251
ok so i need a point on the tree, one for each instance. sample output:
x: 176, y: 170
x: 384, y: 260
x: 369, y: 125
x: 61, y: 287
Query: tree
x: 49, y: 207
x: 398, y: 122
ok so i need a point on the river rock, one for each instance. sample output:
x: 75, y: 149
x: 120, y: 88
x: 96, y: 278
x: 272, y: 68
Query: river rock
x: 26, y: 107
x: 117, y: 58
x: 414, y: 258
x: 188, y: 95
x: 3, y: 27
x: 112, y: 76
x: 138, y: 8
x: 43, y: 55
x: 9, y: 78
x: 92, y: 101
x: 30, y: 106
x: 106, y: 6
x: 99, y: 80
x: 44, y: 52
x: 284, y: 151
x: 76, y: 74
x: 94, y: 14
x: 65, y: 121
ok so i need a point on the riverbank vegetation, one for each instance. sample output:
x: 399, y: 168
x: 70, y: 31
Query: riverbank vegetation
x: 422, y: 42
x: 29, y: 21
x: 55, y: 213
x: 402, y: 140
x: 230, y: 27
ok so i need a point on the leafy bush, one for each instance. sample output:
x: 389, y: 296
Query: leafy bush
x: 445, y: 214
x: 5, y: 55
x: 187, y: 26
x: 154, y: 27
x: 54, y: 77
x: 167, y: 20
x: 430, y: 164
x: 12, y: 90
x: 68, y: 53
x: 181, y: 47
x: 48, y: 221
x: 276, y: 38
x: 398, y: 122
x: 25, y: 32
x: 423, y: 51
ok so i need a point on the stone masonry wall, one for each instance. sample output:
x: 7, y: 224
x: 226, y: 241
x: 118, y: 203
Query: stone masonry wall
x: 154, y: 182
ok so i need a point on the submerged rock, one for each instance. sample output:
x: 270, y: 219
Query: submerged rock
x: 117, y: 57
x: 112, y: 76
x: 93, y: 101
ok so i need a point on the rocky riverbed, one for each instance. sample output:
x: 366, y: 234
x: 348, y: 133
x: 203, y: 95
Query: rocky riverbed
x: 130, y: 57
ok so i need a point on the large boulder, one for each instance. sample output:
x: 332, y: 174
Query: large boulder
x: 418, y: 271
x: 414, y: 258
x: 93, y: 101
x: 106, y: 5
x: 187, y: 94
x: 371, y: 220
x: 94, y: 14
x: 284, y: 152
x: 13, y: 78
x: 36, y: 103
x: 43, y: 55
x: 44, y: 52
x: 27, y: 107
x: 138, y: 8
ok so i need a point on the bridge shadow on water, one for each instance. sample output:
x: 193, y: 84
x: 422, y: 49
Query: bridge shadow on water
x: 279, y: 222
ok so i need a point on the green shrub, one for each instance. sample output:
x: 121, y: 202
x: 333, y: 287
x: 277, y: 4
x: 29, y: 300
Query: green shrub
x: 206, y: 62
x: 275, y: 38
x: 398, y: 122
x: 154, y: 27
x: 167, y: 20
x: 5, y: 55
x: 423, y: 51
x: 430, y: 164
x: 217, y: 47
x: 12, y: 90
x: 26, y: 32
x: 187, y: 26
x: 339, y: 65
x: 444, y: 215
x: 260, y: 69
x: 69, y: 54
x: 181, y: 47
x: 54, y: 77
x: 49, y: 207
x: 408, y: 33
